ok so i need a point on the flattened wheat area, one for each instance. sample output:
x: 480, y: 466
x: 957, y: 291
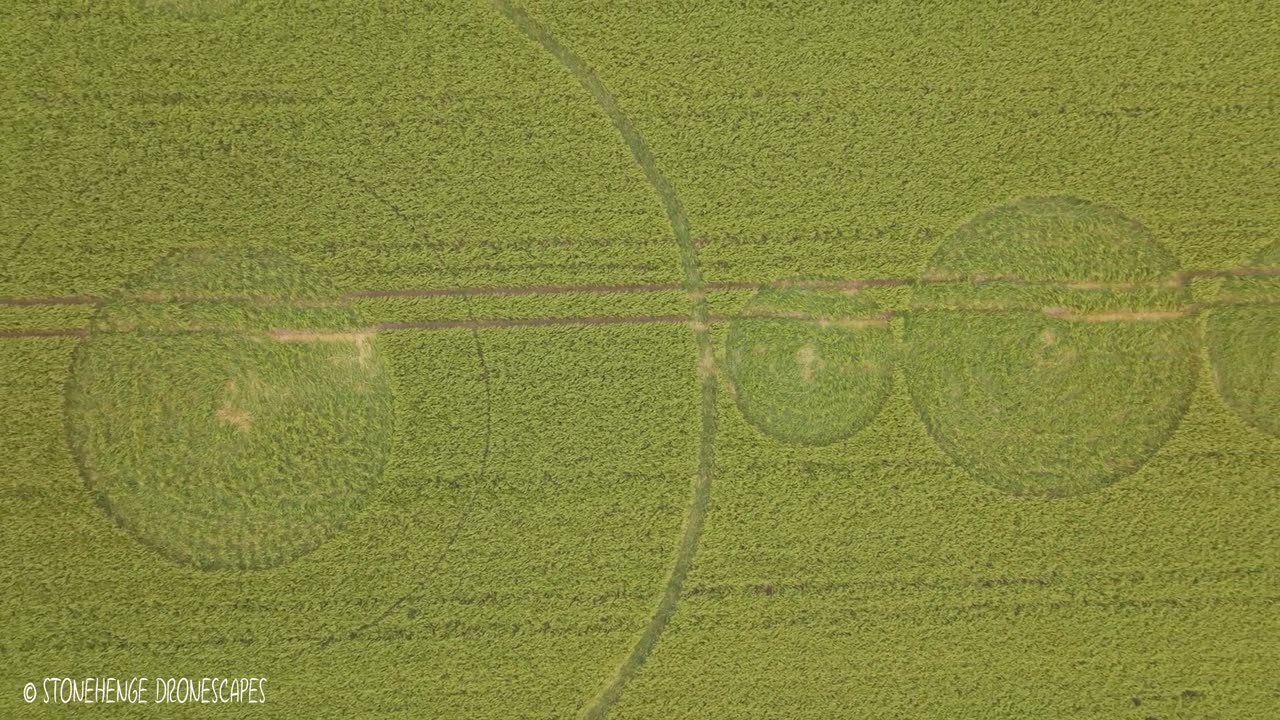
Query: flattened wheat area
x: 731, y: 359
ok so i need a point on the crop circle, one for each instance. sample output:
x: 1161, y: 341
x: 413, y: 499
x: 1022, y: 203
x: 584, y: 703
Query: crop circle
x: 1243, y: 340
x: 1051, y: 348
x: 810, y: 367
x: 229, y: 411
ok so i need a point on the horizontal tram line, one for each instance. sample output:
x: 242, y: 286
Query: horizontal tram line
x: 52, y: 300
x: 429, y: 629
x: 881, y: 319
x: 597, y: 289
x: 45, y: 332
x: 980, y: 582
x: 1178, y: 279
x: 947, y: 612
x: 446, y: 99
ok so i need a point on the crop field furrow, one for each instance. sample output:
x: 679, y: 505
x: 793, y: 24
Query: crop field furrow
x: 880, y: 319
x: 1179, y: 279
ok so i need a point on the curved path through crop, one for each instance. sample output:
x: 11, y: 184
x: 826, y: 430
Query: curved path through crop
x: 699, y: 321
x: 473, y: 324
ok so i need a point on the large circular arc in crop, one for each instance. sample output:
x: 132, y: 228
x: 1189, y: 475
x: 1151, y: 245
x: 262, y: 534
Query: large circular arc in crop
x: 613, y: 688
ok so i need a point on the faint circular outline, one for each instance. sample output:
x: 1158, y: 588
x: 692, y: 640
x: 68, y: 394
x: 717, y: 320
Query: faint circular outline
x: 99, y: 497
x: 1213, y: 326
x: 463, y: 515
x: 128, y: 166
x: 1179, y: 410
x: 735, y: 339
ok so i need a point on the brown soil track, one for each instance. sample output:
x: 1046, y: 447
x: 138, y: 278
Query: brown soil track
x: 1119, y: 315
x: 1179, y: 279
x: 52, y: 300
x: 881, y: 319
x: 433, y: 292
x: 524, y: 290
x: 45, y: 332
x: 535, y: 322
x: 878, y: 319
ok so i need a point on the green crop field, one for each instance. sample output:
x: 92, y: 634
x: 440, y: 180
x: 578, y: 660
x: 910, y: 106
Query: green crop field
x: 516, y: 359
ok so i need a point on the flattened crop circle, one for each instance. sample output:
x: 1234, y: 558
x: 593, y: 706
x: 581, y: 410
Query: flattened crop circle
x: 810, y: 367
x: 229, y: 411
x: 1243, y: 339
x: 1052, y: 349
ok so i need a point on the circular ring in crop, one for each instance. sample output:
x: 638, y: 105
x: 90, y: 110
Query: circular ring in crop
x: 810, y: 367
x: 1243, y: 340
x: 1051, y: 348
x: 229, y: 411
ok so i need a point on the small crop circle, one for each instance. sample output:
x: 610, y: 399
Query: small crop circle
x: 1051, y: 347
x: 810, y: 367
x: 229, y: 411
x: 1243, y: 340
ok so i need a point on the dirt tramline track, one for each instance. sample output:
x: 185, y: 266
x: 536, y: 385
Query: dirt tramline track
x: 1175, y: 280
x: 1178, y: 280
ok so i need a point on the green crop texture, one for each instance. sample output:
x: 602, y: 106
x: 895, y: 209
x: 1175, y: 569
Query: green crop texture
x: 507, y: 359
